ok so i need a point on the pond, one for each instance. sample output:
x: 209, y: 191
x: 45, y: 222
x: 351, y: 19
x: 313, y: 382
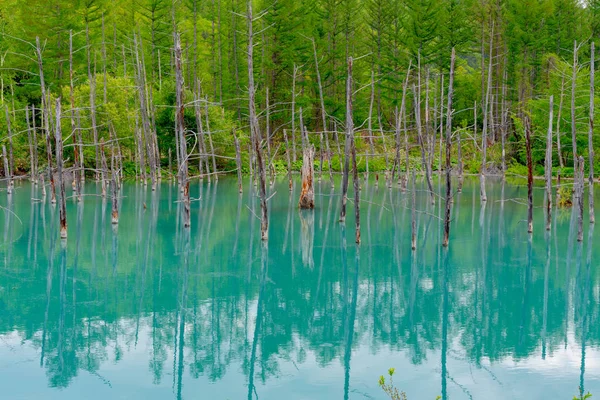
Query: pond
x: 147, y: 311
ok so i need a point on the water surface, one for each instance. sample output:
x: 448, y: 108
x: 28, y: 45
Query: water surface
x: 148, y: 311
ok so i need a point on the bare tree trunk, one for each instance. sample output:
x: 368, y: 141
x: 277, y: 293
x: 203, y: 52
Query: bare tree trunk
x: 529, y: 175
x: 59, y: 173
x: 7, y: 174
x: 323, y: 116
x: 294, y: 113
x: 413, y: 224
x: 238, y: 161
x: 548, y: 167
x: 114, y: 190
x: 307, y: 195
x: 77, y: 166
x: 92, y: 83
x: 504, y: 120
x: 11, y: 160
x: 579, y: 196
x: 183, y: 166
x: 460, y: 163
x: 287, y: 155
x: 561, y: 162
x: 422, y: 144
x: 32, y: 173
x: 349, y: 134
x: 210, y: 143
x: 484, y: 131
x: 255, y: 130
x: 590, y: 135
x: 448, y: 151
x: 356, y: 183
x: 44, y: 117
x: 370, y: 124
x: 573, y: 94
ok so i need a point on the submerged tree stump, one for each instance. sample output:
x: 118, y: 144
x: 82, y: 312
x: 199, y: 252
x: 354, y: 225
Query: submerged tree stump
x: 307, y: 196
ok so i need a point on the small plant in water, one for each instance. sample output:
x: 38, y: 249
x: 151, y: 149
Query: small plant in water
x: 389, y: 388
x: 565, y: 195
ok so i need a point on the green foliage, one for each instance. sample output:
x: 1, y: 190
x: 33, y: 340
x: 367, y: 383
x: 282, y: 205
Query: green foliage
x: 564, y: 196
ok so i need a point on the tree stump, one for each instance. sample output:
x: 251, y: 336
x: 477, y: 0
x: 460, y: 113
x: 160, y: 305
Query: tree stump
x: 307, y: 196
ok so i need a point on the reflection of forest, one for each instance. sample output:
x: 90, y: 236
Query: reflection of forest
x: 216, y: 298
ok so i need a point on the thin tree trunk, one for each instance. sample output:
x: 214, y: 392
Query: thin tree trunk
x: 11, y: 160
x: 561, y: 162
x: 255, y: 130
x: 183, y: 166
x: 287, y: 155
x: 413, y: 224
x: 59, y: 173
x: 484, y: 132
x: 590, y: 136
x: 422, y: 144
x: 349, y: 134
x: 7, y: 171
x: 114, y: 189
x: 529, y: 175
x: 238, y: 161
x: 210, y: 143
x: 448, y: 150
x: 504, y: 120
x: 294, y: 113
x: 548, y: 167
x: 307, y: 195
x: 32, y: 173
x: 573, y: 94
x: 580, y: 186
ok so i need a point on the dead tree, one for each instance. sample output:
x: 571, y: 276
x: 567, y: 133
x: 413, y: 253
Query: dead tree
x: 448, y: 151
x: 422, y: 144
x: 11, y: 160
x: 529, y: 175
x: 590, y: 135
x: 180, y: 108
x: 255, y: 130
x: 294, y: 112
x: 32, y: 172
x: 92, y: 82
x: 548, y: 167
x: 484, y: 131
x: 78, y: 168
x: 7, y: 171
x: 59, y: 173
x: 356, y: 183
x: 114, y: 190
x: 460, y: 163
x: 579, y: 187
x: 413, y: 224
x: 558, y: 120
x: 44, y: 117
x: 289, y: 162
x: 238, y: 161
x: 573, y: 117
x: 349, y: 135
x: 323, y: 114
x: 307, y: 195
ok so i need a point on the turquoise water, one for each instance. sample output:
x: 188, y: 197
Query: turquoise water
x: 147, y: 311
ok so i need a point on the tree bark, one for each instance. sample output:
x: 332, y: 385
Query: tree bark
x: 255, y: 130
x: 590, y: 137
x: 448, y: 151
x: 307, y: 195
x: 529, y: 175
x: 548, y: 166
x: 59, y: 173
x: 349, y: 134
x: 183, y: 166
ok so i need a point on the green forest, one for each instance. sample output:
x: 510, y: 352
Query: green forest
x: 113, y: 64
